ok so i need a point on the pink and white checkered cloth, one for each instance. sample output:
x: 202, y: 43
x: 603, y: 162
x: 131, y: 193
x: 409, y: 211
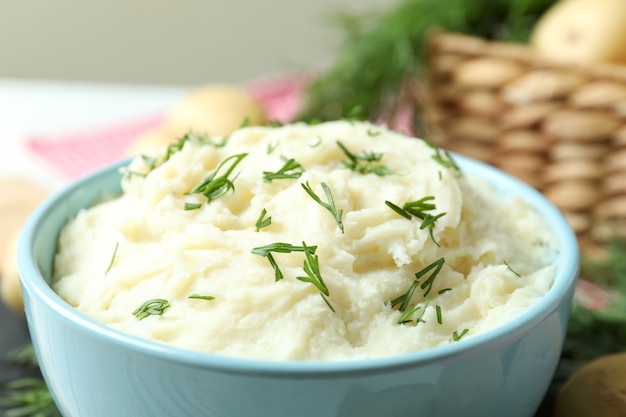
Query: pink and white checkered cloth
x: 73, y: 154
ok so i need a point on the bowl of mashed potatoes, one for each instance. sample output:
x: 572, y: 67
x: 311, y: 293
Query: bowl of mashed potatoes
x: 338, y: 269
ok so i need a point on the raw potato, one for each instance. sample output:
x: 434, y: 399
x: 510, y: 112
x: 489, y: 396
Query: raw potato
x: 597, y: 389
x: 213, y: 109
x: 583, y: 31
x: 150, y: 142
x: 10, y: 289
x: 18, y: 198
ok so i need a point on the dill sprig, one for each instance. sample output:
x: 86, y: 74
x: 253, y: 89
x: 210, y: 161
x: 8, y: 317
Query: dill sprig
x: 312, y: 269
x: 456, y: 336
x: 214, y: 186
x: 406, y: 317
x: 152, y: 163
x: 280, y: 247
x: 117, y: 244
x: 418, y: 209
x: 330, y: 205
x: 290, y: 170
x: 311, y: 265
x: 201, y: 297
x: 153, y: 307
x: 381, y: 51
x: 28, y: 397
x: 594, y: 332
x: 432, y: 270
x: 511, y: 269
x: 442, y: 156
x: 365, y: 162
x: 439, y: 315
x: 24, y: 356
x: 263, y: 221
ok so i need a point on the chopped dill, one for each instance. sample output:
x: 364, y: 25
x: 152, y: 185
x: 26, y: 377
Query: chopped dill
x: 153, y: 307
x: 112, y: 258
x: 457, y: 336
x: 201, y: 297
x: 330, y: 206
x: 365, y: 162
x: 214, y: 186
x: 280, y: 247
x: 418, y: 209
x: 511, y: 269
x: 290, y: 170
x: 263, y: 221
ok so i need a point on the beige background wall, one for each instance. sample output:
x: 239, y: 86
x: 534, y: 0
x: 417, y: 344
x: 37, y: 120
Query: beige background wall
x: 168, y: 41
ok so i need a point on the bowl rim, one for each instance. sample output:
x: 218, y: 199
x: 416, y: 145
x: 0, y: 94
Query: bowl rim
x: 34, y: 285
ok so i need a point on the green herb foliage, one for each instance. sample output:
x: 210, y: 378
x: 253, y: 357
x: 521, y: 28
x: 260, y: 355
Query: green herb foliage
x: 330, y: 205
x: 382, y: 50
x: 263, y: 221
x: 201, y: 297
x: 192, y: 206
x: 442, y: 157
x: 418, y: 209
x: 594, y: 332
x: 406, y: 317
x: 28, y: 397
x: 456, y: 336
x: 432, y: 270
x: 511, y: 269
x: 364, y: 163
x: 117, y: 244
x: 313, y: 275
x: 23, y: 356
x: 311, y: 264
x: 152, y: 163
x: 280, y: 247
x: 290, y: 170
x: 439, y: 316
x: 153, y: 307
x: 215, y: 186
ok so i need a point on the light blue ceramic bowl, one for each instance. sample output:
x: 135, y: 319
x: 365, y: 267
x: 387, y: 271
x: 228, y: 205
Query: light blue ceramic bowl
x: 94, y: 371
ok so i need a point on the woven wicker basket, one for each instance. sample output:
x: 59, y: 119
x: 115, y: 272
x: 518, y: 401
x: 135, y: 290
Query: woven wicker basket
x: 559, y: 127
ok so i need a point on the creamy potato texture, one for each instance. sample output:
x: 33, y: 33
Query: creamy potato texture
x: 464, y: 261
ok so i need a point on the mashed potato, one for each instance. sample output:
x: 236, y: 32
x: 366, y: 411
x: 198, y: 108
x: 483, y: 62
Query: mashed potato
x: 304, y: 242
